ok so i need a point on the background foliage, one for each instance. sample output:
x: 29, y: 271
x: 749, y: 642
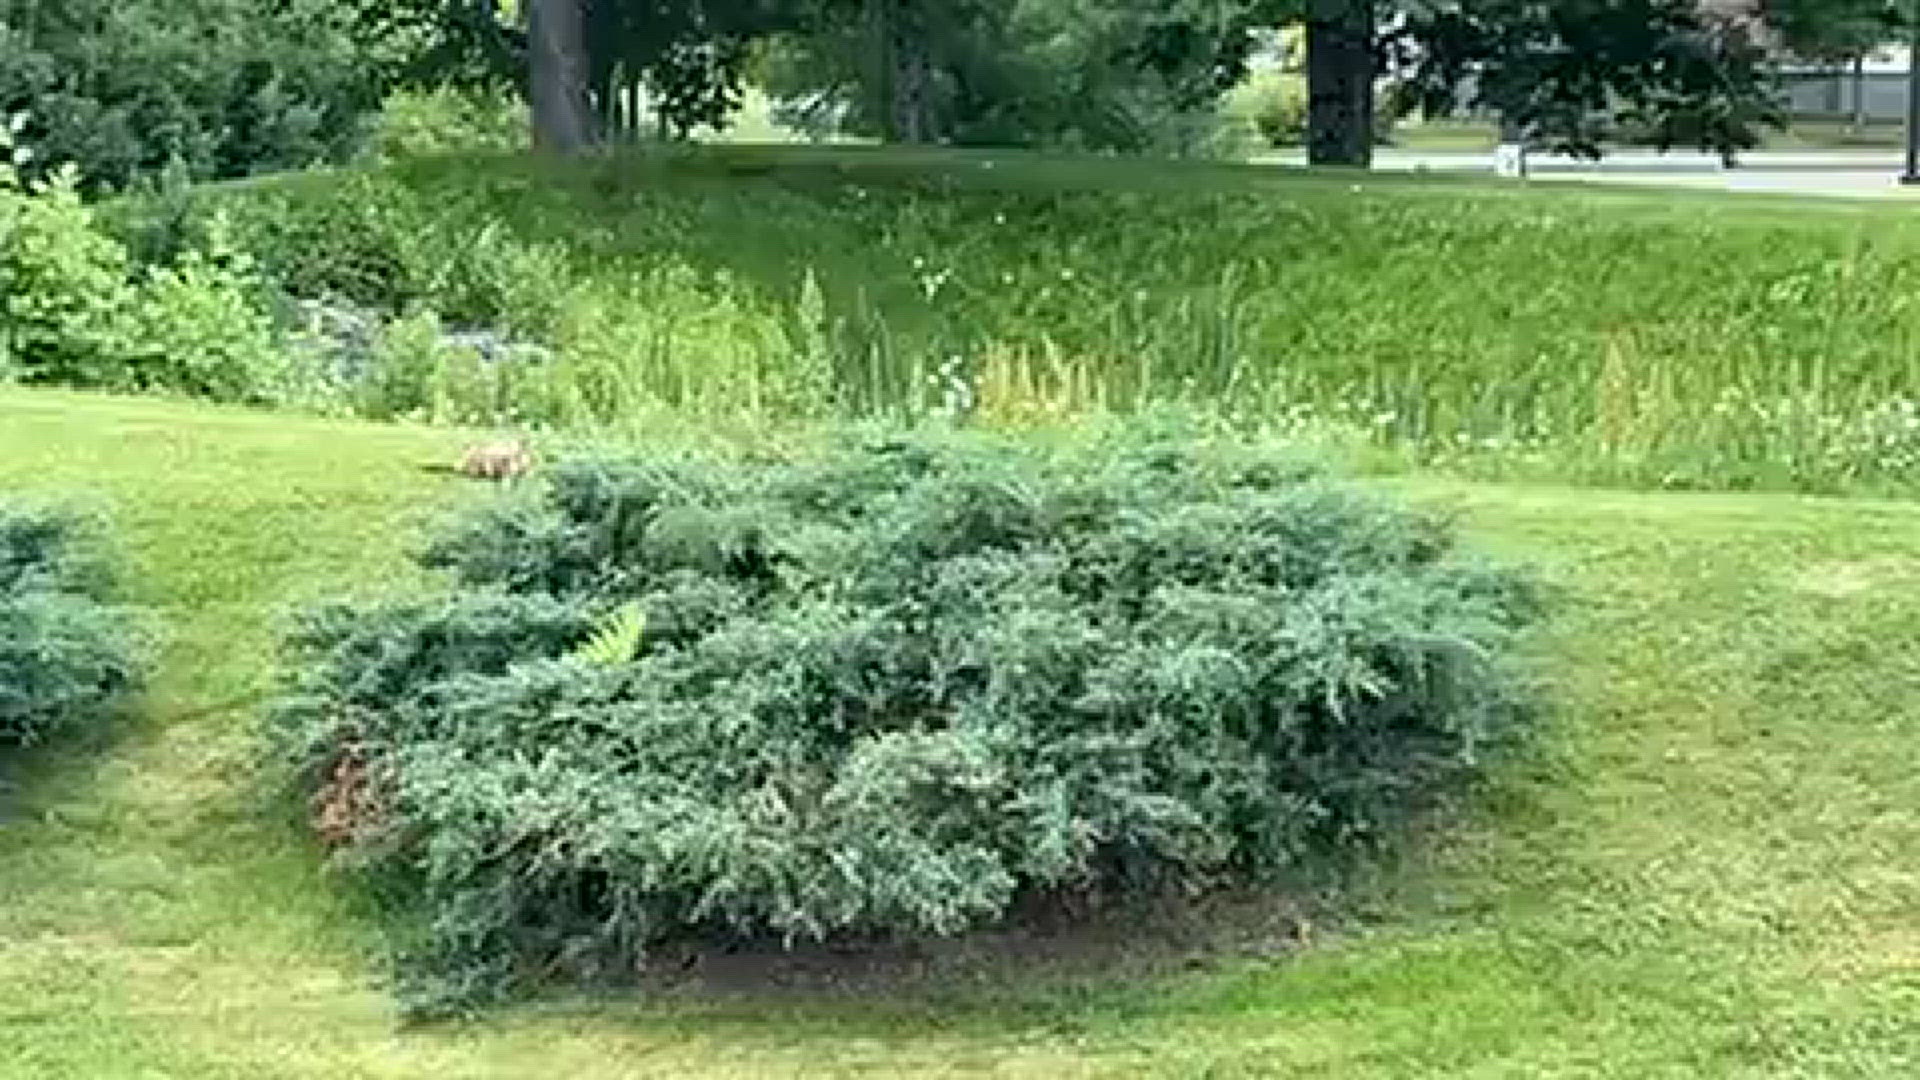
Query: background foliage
x: 889, y: 688
x: 1091, y: 74
x: 77, y: 309
x: 213, y: 88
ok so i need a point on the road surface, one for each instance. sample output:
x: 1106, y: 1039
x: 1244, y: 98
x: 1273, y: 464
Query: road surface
x: 1843, y: 173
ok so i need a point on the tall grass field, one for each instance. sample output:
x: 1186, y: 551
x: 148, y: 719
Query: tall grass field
x: 1645, y: 338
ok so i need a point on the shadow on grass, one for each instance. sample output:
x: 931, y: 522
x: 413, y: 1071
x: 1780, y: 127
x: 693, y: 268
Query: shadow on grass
x: 35, y: 778
x: 1051, y: 942
x: 1053, y: 966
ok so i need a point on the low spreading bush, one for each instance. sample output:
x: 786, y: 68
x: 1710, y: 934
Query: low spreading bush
x: 890, y: 688
x: 66, y: 655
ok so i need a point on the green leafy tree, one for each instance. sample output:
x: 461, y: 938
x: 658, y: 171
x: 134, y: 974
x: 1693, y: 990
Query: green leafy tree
x: 1122, y: 73
x: 584, y: 64
x: 1098, y: 73
x: 1573, y: 73
x: 1838, y: 31
x: 218, y: 88
x: 1341, y: 70
x: 1834, y: 29
x: 557, y: 67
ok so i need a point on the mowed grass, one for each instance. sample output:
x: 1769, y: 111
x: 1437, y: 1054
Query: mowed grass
x: 1710, y: 872
x: 1653, y: 338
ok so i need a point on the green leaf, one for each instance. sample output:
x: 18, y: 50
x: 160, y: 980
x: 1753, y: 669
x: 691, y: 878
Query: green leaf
x: 617, y: 639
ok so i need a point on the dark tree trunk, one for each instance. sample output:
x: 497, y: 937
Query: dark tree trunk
x: 902, y: 70
x: 557, y: 76
x: 606, y: 105
x: 912, y: 74
x: 1340, y: 71
x: 1859, y: 92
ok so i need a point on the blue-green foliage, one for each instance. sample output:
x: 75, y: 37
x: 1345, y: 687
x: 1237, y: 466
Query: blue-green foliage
x: 892, y: 689
x: 66, y: 656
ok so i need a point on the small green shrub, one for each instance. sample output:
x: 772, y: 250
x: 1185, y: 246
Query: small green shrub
x: 420, y: 123
x: 364, y: 237
x: 204, y: 327
x: 890, y: 688
x: 407, y: 356
x: 355, y: 235
x: 76, y: 311
x: 66, y: 656
x: 1274, y: 104
x: 64, y: 292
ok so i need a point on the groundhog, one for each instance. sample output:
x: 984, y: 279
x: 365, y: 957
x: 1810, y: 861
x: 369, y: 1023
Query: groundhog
x: 502, y: 459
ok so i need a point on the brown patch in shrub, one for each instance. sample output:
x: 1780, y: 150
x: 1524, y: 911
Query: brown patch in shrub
x: 348, y: 806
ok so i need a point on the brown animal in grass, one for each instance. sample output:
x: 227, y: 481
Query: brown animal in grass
x: 502, y: 459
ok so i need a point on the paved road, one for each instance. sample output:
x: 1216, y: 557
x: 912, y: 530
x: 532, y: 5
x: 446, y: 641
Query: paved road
x: 1851, y: 174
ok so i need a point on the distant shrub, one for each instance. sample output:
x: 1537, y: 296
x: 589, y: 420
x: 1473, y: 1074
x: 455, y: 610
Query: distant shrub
x: 418, y: 123
x: 581, y: 344
x: 366, y: 237
x: 356, y: 235
x: 204, y: 329
x: 1274, y: 104
x: 66, y: 655
x: 890, y: 688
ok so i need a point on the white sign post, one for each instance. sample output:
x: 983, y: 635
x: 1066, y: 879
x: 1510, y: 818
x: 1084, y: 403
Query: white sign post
x: 1510, y: 156
x: 1510, y: 160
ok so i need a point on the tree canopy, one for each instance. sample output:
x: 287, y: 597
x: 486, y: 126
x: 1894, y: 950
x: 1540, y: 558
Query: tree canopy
x: 1833, y: 29
x: 1574, y: 73
x: 1111, y: 73
x: 227, y: 87
x: 216, y: 88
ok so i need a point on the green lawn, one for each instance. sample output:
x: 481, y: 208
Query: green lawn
x: 1719, y: 880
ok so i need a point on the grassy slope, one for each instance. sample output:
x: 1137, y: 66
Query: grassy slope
x: 1590, y: 334
x: 1723, y: 885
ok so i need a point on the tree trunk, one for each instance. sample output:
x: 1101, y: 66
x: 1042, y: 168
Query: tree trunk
x: 902, y: 70
x: 880, y: 18
x: 557, y: 76
x: 1340, y: 71
x: 1859, y: 92
x: 912, y: 74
